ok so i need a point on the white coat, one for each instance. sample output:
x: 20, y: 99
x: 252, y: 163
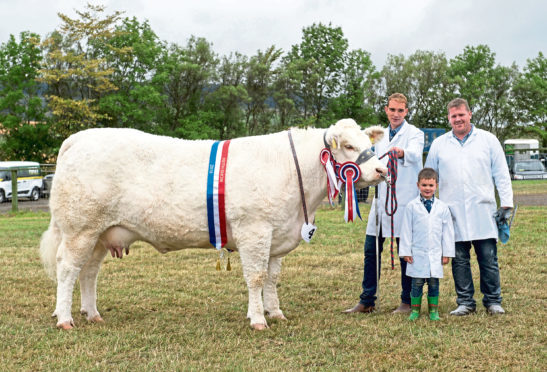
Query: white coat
x: 466, y: 181
x: 427, y: 237
x: 411, y: 140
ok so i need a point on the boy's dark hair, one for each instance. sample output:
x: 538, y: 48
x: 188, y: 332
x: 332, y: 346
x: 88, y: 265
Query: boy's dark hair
x: 428, y: 174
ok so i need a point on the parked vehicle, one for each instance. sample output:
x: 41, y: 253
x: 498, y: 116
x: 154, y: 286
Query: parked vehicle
x: 528, y: 170
x: 29, y: 180
x: 518, y: 150
x: 46, y: 189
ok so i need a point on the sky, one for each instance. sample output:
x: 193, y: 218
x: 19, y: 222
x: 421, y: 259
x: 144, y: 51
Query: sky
x: 514, y: 30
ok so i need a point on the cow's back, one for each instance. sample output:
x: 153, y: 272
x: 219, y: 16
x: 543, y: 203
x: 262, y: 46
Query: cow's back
x: 156, y: 185
x: 130, y: 178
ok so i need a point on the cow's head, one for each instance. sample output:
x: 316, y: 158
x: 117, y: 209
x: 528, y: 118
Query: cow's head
x: 348, y: 142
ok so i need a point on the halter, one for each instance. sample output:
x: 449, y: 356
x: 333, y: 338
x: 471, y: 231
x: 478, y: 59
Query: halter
x: 363, y: 157
x: 348, y: 173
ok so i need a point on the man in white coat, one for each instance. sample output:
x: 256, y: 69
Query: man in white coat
x: 408, y: 141
x: 470, y: 161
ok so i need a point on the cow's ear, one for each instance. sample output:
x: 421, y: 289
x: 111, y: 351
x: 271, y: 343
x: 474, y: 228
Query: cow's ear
x: 375, y: 133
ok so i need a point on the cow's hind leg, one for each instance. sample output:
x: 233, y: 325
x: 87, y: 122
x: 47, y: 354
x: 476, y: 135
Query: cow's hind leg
x: 271, y: 301
x: 73, y: 253
x: 88, y: 284
x: 254, y: 250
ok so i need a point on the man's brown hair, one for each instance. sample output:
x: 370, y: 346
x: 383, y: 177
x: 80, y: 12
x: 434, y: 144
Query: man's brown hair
x: 399, y: 97
x: 457, y: 102
x: 428, y: 174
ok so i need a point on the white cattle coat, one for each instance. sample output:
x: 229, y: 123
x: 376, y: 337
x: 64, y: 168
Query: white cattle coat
x: 113, y: 187
x: 466, y: 181
x: 411, y: 140
x: 427, y: 237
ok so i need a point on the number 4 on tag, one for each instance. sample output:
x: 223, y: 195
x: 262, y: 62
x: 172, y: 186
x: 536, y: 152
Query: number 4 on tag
x: 307, y: 231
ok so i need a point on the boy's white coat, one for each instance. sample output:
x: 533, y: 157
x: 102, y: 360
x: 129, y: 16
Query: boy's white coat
x: 427, y: 237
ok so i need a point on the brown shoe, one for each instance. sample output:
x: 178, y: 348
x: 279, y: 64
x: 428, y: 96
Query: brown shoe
x: 359, y: 308
x: 402, y: 309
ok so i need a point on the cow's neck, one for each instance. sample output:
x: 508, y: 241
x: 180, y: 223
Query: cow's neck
x: 308, y: 144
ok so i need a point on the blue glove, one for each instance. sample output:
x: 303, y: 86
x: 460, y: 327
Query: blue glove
x: 501, y: 217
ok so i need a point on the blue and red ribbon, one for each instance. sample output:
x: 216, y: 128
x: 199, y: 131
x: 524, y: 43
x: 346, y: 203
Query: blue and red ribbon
x: 216, y: 187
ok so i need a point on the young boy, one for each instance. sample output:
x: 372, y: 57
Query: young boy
x: 427, y: 242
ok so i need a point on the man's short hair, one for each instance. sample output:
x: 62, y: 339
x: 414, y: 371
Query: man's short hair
x: 428, y: 174
x: 399, y: 97
x: 457, y: 102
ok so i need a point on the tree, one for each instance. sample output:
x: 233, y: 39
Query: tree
x: 429, y: 89
x: 422, y: 79
x: 185, y: 77
x: 132, y: 53
x: 487, y: 88
x: 230, y: 96
x: 357, y: 80
x: 76, y: 71
x: 531, y: 97
x: 258, y: 83
x: 319, y: 59
x: 22, y: 111
x: 285, y: 85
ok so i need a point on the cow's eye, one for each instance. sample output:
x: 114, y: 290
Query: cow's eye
x: 349, y: 147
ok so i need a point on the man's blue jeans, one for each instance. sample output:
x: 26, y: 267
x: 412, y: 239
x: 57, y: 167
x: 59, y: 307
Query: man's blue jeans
x: 368, y: 296
x: 487, y: 257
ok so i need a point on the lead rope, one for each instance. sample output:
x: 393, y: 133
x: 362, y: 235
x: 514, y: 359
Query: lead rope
x: 392, y: 179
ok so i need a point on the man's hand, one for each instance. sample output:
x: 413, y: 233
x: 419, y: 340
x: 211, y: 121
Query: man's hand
x: 400, y: 152
x: 446, y: 260
x: 407, y: 259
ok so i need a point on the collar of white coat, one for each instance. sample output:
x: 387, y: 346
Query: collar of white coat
x: 472, y: 133
x: 400, y: 130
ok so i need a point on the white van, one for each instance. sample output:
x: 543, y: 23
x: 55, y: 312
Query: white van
x: 29, y: 179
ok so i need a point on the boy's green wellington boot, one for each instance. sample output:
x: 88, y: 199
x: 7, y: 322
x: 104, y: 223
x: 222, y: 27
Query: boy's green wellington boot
x: 415, y: 304
x: 433, y: 307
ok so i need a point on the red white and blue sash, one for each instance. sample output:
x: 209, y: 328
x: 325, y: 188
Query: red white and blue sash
x: 216, y: 181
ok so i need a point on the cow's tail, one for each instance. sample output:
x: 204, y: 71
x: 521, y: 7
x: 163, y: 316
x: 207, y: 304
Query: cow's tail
x: 51, y: 239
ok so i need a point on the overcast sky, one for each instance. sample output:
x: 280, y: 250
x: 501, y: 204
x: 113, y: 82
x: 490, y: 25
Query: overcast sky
x: 514, y: 30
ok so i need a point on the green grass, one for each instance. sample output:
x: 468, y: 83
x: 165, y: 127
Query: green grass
x: 175, y: 312
x: 525, y: 187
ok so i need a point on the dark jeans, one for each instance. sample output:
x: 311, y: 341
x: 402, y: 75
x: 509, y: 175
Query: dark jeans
x: 418, y: 287
x: 487, y: 257
x: 368, y: 296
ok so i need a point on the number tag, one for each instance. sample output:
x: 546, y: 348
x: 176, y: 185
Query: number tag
x: 307, y: 231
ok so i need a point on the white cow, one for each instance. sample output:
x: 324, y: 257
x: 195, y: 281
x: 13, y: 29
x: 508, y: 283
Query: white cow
x: 113, y: 187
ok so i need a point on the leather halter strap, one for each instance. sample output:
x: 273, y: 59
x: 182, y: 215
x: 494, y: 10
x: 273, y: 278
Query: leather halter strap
x: 363, y: 157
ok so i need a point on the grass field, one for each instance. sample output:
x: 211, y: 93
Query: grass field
x: 529, y: 187
x: 175, y: 312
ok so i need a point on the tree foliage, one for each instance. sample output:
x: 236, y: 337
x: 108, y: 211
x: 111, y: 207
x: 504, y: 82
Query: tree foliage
x: 76, y: 71
x: 99, y: 70
x: 22, y: 111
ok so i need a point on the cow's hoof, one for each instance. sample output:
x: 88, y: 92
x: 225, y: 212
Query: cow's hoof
x: 65, y: 325
x: 96, y: 319
x: 278, y: 316
x: 259, y: 327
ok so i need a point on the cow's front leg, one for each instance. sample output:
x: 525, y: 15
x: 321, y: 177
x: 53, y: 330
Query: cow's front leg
x: 271, y: 301
x: 254, y: 251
